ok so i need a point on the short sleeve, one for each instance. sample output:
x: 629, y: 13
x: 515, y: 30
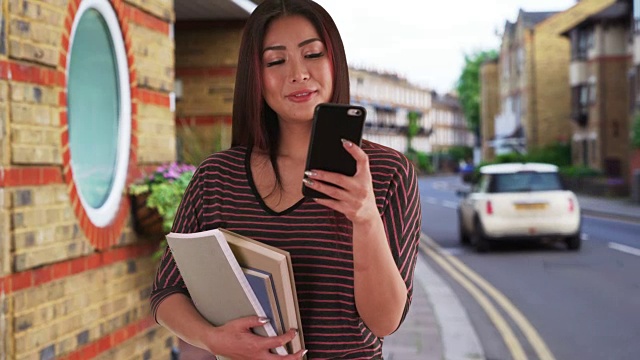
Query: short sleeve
x: 402, y: 219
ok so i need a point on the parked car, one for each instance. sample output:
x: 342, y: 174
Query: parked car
x: 518, y: 201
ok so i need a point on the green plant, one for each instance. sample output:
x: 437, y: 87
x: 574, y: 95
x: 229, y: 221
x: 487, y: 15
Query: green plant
x: 635, y: 132
x: 165, y: 187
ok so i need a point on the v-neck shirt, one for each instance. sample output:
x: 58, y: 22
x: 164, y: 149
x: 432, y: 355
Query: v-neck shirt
x: 222, y: 194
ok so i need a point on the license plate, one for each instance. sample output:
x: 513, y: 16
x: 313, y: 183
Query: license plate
x: 531, y: 206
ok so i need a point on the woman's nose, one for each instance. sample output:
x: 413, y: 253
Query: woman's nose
x: 299, y: 72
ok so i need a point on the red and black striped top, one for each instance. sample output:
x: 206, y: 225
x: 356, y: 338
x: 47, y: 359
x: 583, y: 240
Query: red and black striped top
x: 222, y: 194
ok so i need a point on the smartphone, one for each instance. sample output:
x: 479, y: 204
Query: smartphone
x: 331, y: 123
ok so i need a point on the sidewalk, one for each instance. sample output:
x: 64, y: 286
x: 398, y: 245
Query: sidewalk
x: 612, y: 208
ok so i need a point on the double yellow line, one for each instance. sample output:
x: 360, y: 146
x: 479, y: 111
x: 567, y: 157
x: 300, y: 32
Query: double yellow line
x: 478, y: 287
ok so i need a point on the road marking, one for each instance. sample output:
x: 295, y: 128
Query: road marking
x: 450, y: 204
x: 432, y: 200
x: 624, y: 248
x: 510, y: 339
x: 532, y: 335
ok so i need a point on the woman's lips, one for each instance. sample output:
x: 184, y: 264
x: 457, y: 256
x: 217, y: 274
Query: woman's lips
x: 301, y: 96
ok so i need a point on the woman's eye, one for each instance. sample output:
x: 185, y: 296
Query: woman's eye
x: 315, y: 55
x: 275, y: 62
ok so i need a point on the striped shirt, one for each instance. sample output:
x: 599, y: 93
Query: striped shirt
x: 222, y: 194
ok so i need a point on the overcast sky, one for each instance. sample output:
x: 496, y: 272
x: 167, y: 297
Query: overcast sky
x: 425, y: 41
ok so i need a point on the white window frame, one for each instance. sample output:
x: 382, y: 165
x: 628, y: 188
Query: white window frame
x: 105, y: 214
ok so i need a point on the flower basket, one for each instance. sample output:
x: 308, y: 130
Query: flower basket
x: 146, y: 221
x: 155, y: 198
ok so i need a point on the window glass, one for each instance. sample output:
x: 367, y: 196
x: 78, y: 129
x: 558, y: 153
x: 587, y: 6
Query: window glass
x: 93, y: 108
x: 526, y: 181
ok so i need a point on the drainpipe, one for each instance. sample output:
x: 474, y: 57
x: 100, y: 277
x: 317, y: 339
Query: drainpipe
x: 532, y: 116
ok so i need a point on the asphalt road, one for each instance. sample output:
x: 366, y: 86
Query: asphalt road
x: 584, y: 305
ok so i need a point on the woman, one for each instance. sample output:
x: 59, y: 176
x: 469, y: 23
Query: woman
x: 353, y: 257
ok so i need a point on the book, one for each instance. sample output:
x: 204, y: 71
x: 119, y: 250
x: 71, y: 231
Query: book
x: 277, y: 262
x: 231, y: 276
x: 217, y: 284
x: 262, y: 284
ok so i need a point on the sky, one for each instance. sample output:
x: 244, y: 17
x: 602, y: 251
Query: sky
x: 425, y: 41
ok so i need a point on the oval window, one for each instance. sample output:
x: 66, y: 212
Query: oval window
x: 99, y: 109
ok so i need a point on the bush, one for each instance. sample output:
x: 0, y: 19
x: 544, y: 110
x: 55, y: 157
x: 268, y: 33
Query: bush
x: 579, y: 171
x: 635, y: 132
x: 421, y: 160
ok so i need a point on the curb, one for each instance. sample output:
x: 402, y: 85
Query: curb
x: 610, y: 215
x: 459, y: 338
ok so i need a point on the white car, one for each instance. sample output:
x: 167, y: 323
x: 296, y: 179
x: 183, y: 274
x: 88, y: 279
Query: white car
x: 518, y: 201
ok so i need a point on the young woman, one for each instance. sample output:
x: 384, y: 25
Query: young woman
x: 353, y: 257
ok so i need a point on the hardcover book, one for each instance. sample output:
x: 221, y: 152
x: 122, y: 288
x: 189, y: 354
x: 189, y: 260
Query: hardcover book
x: 231, y: 276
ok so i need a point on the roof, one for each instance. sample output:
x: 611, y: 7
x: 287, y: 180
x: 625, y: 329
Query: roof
x: 517, y: 167
x: 530, y: 19
x: 214, y: 10
x: 616, y: 11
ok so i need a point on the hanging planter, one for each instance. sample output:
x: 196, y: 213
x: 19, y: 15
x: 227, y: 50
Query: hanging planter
x: 155, y: 198
x: 146, y: 221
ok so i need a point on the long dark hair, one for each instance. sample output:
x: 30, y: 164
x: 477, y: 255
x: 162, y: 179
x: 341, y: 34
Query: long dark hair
x: 254, y: 123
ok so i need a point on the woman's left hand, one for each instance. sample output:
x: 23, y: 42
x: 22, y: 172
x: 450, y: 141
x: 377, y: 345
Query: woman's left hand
x: 356, y: 199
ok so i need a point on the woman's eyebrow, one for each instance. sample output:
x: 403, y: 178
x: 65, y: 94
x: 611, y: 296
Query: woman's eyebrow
x: 282, y: 47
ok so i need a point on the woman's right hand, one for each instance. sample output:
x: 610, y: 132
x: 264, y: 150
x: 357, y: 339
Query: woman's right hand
x: 236, y: 341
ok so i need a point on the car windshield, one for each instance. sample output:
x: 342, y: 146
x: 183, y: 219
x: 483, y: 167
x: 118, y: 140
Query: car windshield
x: 526, y: 181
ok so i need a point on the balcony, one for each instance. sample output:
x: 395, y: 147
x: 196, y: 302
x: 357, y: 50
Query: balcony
x: 580, y: 117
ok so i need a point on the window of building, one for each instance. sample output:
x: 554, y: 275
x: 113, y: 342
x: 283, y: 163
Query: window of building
x: 581, y: 42
x: 580, y: 104
x: 99, y: 109
x: 520, y: 60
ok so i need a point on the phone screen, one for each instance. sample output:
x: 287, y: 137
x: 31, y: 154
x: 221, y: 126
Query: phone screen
x: 331, y: 124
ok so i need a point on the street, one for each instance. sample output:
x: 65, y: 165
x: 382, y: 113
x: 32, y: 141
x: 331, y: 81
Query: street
x: 551, y: 303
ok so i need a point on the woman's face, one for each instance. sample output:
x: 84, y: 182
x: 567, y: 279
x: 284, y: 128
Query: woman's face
x: 297, y: 73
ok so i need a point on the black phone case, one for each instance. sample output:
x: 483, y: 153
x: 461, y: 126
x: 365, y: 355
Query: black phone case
x: 331, y: 123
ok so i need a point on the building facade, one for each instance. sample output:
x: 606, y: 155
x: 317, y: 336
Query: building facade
x: 489, y: 106
x: 390, y: 98
x: 535, y: 104
x: 86, y: 107
x: 598, y: 76
x: 447, y: 124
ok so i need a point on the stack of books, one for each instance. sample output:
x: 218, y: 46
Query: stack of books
x: 230, y: 276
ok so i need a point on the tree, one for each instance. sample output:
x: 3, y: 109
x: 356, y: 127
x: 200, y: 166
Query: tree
x: 412, y: 129
x: 468, y: 86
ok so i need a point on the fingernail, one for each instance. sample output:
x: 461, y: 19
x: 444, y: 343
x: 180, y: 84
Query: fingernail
x: 310, y: 173
x: 347, y: 142
x: 263, y: 320
x: 304, y: 352
x: 308, y: 182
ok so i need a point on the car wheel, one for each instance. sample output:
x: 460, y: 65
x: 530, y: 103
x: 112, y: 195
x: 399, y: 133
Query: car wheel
x: 479, y: 240
x: 574, y: 242
x: 464, y: 237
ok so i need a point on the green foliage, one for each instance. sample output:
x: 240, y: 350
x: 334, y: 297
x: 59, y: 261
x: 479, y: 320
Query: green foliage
x: 468, y: 86
x: 579, y: 171
x: 165, y: 186
x: 558, y: 154
x: 635, y: 132
x: 458, y: 153
x: 421, y: 160
x: 412, y: 129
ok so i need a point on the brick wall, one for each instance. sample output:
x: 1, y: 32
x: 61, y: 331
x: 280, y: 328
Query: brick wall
x: 70, y: 289
x: 489, y: 105
x: 613, y: 90
x: 206, y: 61
x: 551, y: 107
